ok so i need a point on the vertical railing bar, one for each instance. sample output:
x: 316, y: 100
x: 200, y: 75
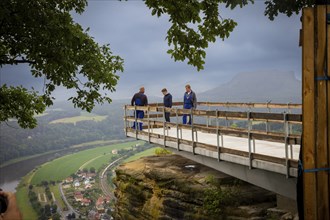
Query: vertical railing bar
x: 208, y: 118
x: 218, y: 141
x: 249, y: 138
x: 267, y: 123
x: 254, y: 145
x: 177, y: 129
x: 289, y: 124
x: 286, y: 130
x: 136, y: 125
x: 192, y: 130
x: 226, y: 119
x: 291, y: 151
x: 148, y: 114
x: 125, y: 122
x: 164, y: 124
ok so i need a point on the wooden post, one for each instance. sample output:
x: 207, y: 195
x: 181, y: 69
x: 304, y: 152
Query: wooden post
x: 316, y: 116
x: 309, y: 184
x: 328, y: 100
x: 321, y: 115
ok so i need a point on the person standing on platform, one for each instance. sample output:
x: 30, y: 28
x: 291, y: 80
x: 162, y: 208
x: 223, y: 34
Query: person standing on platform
x: 189, y: 102
x: 167, y: 103
x: 139, y: 99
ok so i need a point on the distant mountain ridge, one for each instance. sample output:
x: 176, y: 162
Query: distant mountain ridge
x: 261, y: 86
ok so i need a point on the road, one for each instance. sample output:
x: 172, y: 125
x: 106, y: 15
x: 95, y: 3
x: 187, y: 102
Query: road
x: 70, y: 208
x: 103, y: 179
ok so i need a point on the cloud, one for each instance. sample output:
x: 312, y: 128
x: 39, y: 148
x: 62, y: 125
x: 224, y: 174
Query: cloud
x: 256, y: 44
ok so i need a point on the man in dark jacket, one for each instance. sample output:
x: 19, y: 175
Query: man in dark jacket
x: 139, y: 99
x: 189, y: 102
x: 167, y: 103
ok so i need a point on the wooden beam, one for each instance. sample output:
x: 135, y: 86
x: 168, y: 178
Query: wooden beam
x: 237, y: 105
x: 309, y: 182
x: 321, y: 116
x: 328, y: 102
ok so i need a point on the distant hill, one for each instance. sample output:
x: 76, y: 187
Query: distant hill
x: 277, y: 86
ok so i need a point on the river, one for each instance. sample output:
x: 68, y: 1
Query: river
x: 11, y: 175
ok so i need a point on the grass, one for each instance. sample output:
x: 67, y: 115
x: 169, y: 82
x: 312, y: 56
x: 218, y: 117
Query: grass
x: 99, y: 162
x: 22, y: 198
x: 145, y: 153
x: 59, y: 201
x: 76, y: 119
x: 60, y: 168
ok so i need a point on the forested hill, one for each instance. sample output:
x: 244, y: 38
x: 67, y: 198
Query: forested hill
x: 61, y: 127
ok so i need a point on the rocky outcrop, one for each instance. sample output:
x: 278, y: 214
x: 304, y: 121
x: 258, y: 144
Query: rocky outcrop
x: 172, y: 187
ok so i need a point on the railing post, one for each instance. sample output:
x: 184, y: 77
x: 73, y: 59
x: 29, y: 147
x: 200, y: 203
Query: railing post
x: 208, y: 118
x: 164, y: 124
x: 249, y: 138
x: 192, y: 129
x: 177, y: 129
x: 125, y: 121
x: 148, y: 114
x: 226, y: 119
x: 286, y: 134
x: 289, y: 111
x: 136, y: 124
x: 218, y: 141
x: 267, y: 124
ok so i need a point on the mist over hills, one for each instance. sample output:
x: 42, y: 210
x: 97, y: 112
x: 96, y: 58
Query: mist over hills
x: 274, y: 86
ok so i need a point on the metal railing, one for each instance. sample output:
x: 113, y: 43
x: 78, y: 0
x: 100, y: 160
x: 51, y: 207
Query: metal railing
x: 248, y: 113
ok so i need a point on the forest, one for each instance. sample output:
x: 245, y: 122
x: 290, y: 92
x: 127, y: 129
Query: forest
x: 16, y: 142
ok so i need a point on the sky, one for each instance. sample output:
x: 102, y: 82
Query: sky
x: 256, y: 44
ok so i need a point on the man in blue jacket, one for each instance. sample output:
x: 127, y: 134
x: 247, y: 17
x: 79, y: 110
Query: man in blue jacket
x: 167, y: 103
x: 189, y: 102
x: 139, y: 99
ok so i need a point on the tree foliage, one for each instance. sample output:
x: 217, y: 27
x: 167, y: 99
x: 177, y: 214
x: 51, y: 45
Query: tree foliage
x: 43, y: 35
x: 196, y: 23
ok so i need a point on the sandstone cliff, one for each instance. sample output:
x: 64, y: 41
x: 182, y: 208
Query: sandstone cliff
x: 172, y: 187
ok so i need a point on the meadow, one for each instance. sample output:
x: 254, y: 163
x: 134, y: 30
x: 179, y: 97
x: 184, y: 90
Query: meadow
x: 60, y: 168
x: 145, y: 153
x: 76, y: 119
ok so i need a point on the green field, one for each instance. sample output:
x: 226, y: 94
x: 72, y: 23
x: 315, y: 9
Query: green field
x: 55, y: 189
x: 86, y: 144
x: 76, y: 119
x: 23, y: 199
x: 59, y: 169
x: 145, y: 153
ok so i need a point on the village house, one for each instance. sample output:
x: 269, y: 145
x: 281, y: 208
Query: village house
x: 86, y: 181
x: 76, y: 183
x: 90, y: 175
x: 78, y: 196
x: 68, y: 180
x: 85, y: 202
x: 101, y: 201
x: 88, y: 186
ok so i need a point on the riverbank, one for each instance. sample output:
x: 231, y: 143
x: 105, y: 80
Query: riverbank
x: 12, y: 171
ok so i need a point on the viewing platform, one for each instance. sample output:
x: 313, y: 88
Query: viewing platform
x: 256, y: 136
